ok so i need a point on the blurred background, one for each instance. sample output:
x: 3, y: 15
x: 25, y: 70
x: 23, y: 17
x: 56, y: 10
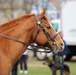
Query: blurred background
x: 10, y: 9
x: 61, y: 13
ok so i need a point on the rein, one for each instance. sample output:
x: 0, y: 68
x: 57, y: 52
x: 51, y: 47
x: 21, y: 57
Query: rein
x: 13, y: 39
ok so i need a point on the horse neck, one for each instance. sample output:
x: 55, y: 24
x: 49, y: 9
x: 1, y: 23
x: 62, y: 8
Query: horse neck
x: 13, y: 22
x: 22, y: 32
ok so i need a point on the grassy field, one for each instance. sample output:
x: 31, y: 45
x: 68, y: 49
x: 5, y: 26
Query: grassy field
x: 36, y: 67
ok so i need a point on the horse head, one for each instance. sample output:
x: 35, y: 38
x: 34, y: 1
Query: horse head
x: 45, y: 35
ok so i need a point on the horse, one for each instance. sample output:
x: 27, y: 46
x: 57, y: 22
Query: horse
x: 16, y: 35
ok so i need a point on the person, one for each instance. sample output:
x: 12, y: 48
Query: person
x: 65, y: 50
x: 15, y: 68
x: 58, y: 59
x: 23, y: 62
x: 60, y: 56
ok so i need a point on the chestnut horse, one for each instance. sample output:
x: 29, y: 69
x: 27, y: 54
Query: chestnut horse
x: 17, y: 34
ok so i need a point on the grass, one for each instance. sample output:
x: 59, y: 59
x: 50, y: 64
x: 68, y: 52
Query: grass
x: 36, y: 67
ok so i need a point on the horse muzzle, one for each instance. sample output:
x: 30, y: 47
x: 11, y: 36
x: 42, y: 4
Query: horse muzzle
x: 57, y: 49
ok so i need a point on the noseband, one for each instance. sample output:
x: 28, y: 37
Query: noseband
x: 40, y: 25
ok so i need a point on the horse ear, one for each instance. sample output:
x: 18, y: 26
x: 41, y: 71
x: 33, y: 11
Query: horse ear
x: 42, y: 14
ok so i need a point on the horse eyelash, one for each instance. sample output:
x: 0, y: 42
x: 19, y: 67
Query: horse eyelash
x: 48, y: 27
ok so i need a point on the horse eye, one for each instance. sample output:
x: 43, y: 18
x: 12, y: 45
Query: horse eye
x: 48, y: 27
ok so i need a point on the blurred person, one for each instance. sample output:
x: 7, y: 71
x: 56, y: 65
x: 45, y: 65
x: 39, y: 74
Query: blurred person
x: 65, y: 50
x: 23, y: 62
x: 58, y: 59
x: 34, y: 49
x: 60, y: 56
x: 15, y: 69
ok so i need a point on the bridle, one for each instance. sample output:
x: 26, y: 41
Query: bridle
x: 40, y: 25
x: 47, y: 34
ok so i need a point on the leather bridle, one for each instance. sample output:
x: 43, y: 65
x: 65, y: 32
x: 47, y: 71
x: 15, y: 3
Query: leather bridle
x: 40, y: 25
x: 47, y: 34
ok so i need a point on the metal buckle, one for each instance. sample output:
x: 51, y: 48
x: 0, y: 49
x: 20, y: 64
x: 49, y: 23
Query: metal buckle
x: 38, y: 22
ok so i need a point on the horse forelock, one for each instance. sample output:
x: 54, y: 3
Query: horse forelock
x: 14, y: 22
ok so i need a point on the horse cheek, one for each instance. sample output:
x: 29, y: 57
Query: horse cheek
x: 41, y: 39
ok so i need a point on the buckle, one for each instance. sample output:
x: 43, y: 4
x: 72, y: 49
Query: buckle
x: 38, y: 22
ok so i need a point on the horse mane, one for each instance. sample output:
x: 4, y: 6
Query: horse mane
x: 14, y: 22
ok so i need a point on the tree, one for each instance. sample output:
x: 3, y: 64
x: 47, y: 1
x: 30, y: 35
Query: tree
x: 10, y: 9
